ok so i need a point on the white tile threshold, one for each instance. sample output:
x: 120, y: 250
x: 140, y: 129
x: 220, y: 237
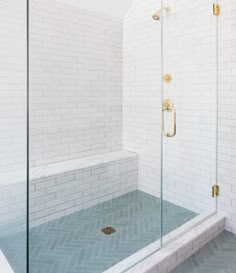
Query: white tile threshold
x: 4, y: 265
x: 155, y: 246
x: 177, y: 251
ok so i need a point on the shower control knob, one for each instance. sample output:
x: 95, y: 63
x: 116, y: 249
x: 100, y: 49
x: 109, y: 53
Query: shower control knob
x: 167, y: 78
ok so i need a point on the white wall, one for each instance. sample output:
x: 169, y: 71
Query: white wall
x: 13, y: 93
x: 190, y: 56
x: 142, y: 92
x: 75, y: 83
x: 113, y: 8
x: 190, y: 33
x: 227, y: 112
x: 141, y: 117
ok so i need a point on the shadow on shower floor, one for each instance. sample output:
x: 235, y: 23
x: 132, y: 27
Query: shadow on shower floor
x: 75, y: 243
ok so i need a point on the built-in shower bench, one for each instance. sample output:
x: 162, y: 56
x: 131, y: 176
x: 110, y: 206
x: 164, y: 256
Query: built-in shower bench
x: 62, y: 188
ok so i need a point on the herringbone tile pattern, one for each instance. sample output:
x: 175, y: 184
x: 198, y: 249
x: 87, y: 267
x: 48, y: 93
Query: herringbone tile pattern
x: 218, y: 256
x: 74, y: 244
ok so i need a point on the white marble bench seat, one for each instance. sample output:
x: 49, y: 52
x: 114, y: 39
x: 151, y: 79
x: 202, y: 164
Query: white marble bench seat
x: 79, y: 163
x: 62, y: 188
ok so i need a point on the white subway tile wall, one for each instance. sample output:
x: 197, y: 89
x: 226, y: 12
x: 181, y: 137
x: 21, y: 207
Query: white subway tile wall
x: 13, y: 88
x: 142, y: 91
x: 189, y: 159
x: 13, y: 92
x: 227, y: 112
x: 141, y: 118
x: 190, y: 50
x: 75, y: 83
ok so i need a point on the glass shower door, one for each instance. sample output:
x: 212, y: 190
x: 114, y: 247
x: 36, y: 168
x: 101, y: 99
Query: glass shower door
x: 189, y: 125
x: 94, y: 178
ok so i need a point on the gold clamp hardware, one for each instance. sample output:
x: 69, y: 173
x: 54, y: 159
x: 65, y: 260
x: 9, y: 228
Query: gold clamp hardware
x: 216, y: 9
x: 215, y: 191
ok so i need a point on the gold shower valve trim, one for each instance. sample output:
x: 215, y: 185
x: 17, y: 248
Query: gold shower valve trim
x: 168, y: 78
x: 157, y: 15
x: 168, y: 106
x: 167, y: 8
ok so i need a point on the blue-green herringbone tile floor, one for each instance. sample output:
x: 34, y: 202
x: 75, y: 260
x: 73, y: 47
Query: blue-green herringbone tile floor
x: 218, y: 256
x: 74, y: 244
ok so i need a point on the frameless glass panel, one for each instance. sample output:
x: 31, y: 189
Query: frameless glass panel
x: 95, y: 136
x: 13, y: 132
x: 190, y: 93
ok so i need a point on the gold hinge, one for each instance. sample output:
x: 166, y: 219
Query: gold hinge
x: 216, y: 9
x: 215, y: 191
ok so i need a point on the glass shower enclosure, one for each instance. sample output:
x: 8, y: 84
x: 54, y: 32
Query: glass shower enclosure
x: 108, y: 139
x: 190, y: 84
x: 13, y: 136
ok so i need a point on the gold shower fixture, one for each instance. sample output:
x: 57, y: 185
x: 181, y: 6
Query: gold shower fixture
x: 168, y: 106
x: 167, y: 8
x: 157, y: 15
x: 168, y: 78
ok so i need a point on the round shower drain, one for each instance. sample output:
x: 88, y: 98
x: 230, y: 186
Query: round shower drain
x: 108, y: 230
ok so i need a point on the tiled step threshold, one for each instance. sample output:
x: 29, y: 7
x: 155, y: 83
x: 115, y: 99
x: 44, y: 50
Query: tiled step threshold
x: 147, y: 251
x: 177, y: 251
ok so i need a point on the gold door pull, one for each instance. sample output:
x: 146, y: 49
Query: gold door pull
x: 168, y: 106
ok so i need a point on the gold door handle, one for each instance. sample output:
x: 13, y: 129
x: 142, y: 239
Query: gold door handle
x: 168, y: 106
